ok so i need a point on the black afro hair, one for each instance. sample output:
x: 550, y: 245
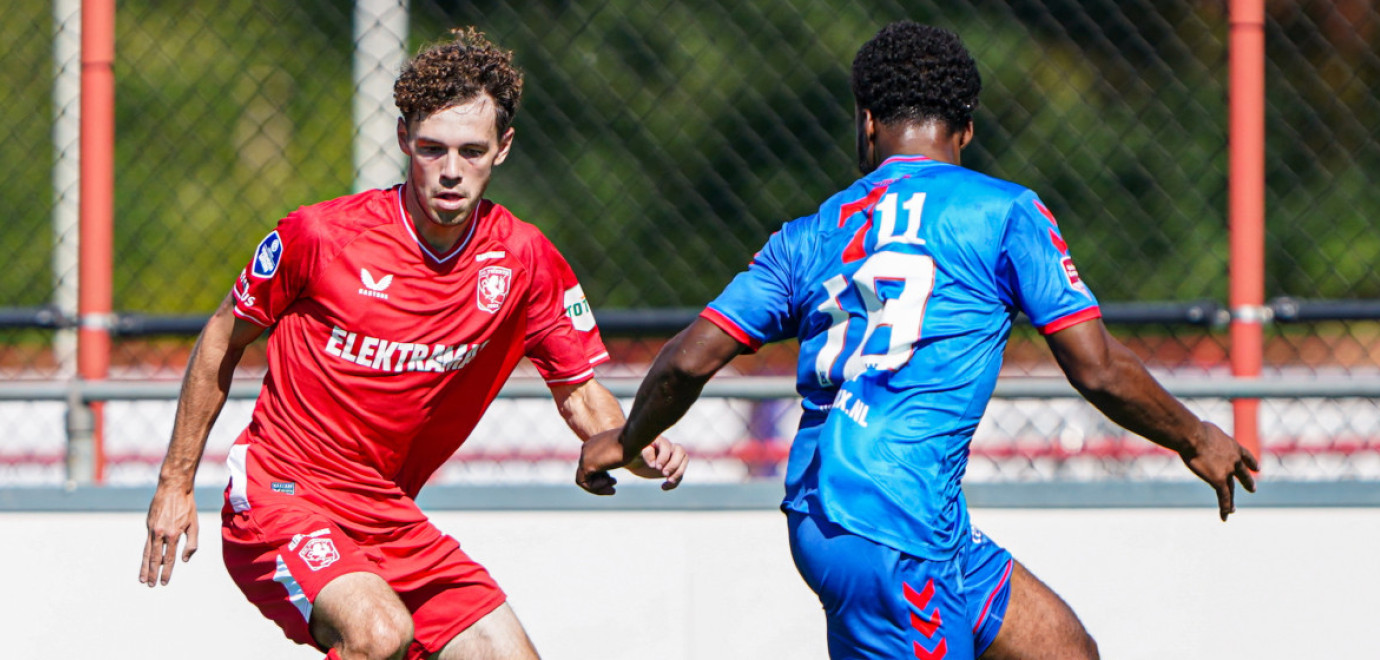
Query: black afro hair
x: 916, y: 73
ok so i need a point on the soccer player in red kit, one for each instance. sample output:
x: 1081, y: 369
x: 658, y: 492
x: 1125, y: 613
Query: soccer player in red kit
x: 397, y: 315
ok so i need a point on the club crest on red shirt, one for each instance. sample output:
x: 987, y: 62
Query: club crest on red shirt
x: 319, y: 553
x: 492, y: 288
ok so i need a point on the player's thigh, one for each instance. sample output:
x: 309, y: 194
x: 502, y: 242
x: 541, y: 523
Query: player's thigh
x: 497, y: 636
x: 878, y: 602
x: 284, y: 557
x: 1039, y: 625
x: 361, y: 613
x: 444, y: 588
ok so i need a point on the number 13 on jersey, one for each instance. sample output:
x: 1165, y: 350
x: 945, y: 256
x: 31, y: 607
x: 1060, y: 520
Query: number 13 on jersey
x: 889, y: 294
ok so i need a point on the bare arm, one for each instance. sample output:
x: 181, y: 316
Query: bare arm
x: 205, y: 387
x: 672, y: 385
x: 1114, y: 380
x: 589, y: 409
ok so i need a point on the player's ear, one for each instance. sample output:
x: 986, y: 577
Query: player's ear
x: 403, y: 142
x: 867, y: 127
x: 966, y: 135
x: 867, y: 136
x: 504, y: 144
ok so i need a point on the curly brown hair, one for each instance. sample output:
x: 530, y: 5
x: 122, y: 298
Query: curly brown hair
x: 452, y: 72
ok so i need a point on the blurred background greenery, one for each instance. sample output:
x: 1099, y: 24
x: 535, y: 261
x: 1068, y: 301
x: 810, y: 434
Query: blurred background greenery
x: 660, y: 143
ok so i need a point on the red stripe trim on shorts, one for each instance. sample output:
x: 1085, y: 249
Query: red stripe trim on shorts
x: 988, y: 605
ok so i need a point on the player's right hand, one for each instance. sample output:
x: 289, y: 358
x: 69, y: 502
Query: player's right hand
x: 172, y: 513
x: 601, y: 453
x: 1218, y: 459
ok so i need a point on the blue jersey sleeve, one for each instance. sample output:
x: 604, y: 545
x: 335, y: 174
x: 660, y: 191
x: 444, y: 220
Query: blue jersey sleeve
x: 1037, y: 272
x: 757, y: 306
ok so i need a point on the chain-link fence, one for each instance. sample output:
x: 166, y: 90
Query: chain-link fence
x: 659, y: 144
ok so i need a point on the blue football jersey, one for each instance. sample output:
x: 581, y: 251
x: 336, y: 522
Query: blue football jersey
x: 901, y: 290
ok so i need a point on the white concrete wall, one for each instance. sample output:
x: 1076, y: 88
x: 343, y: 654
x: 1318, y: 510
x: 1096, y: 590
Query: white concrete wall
x: 1272, y: 583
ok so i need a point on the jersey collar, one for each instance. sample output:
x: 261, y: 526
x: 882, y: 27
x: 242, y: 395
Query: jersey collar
x: 904, y: 159
x: 426, y: 249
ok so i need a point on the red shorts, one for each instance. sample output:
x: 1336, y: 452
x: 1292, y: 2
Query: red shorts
x: 282, y: 556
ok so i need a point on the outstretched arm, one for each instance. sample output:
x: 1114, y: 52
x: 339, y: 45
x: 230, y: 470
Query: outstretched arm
x: 674, y: 382
x: 1114, y: 380
x: 205, y: 387
x: 589, y: 408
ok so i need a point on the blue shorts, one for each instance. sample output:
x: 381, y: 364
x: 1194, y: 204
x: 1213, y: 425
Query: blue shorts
x: 883, y: 603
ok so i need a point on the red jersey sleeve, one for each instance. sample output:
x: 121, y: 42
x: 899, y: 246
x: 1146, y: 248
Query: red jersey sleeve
x: 278, y: 272
x: 562, y: 340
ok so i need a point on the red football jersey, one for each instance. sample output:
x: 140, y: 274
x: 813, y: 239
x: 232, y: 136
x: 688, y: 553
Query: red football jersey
x: 384, y: 355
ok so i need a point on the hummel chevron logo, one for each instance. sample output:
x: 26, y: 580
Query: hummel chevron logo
x: 925, y: 626
x: 372, y: 288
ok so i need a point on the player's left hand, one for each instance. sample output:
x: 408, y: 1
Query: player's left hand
x: 662, y: 459
x: 1218, y: 459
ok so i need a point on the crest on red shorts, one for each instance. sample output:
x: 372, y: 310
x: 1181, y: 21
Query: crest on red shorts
x: 319, y: 553
x: 492, y: 288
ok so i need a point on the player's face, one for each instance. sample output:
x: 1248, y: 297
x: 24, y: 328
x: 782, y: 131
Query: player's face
x: 452, y: 155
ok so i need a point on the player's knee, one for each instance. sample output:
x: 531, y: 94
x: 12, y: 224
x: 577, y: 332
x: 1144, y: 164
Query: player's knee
x: 384, y: 637
x: 1083, y: 647
x: 1092, y: 651
x: 1077, y: 644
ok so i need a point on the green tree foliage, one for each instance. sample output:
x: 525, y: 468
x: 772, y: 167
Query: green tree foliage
x: 661, y: 142
x: 229, y: 115
x: 26, y: 235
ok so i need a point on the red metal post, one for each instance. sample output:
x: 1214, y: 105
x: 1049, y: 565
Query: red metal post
x: 1246, y: 212
x: 97, y: 204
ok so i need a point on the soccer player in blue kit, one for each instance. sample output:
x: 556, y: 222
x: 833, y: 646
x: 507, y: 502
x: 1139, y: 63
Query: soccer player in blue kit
x: 901, y: 290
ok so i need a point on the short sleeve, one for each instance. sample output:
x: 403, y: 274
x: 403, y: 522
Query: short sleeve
x: 562, y: 341
x: 1037, y: 272
x: 756, y: 307
x: 277, y: 273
